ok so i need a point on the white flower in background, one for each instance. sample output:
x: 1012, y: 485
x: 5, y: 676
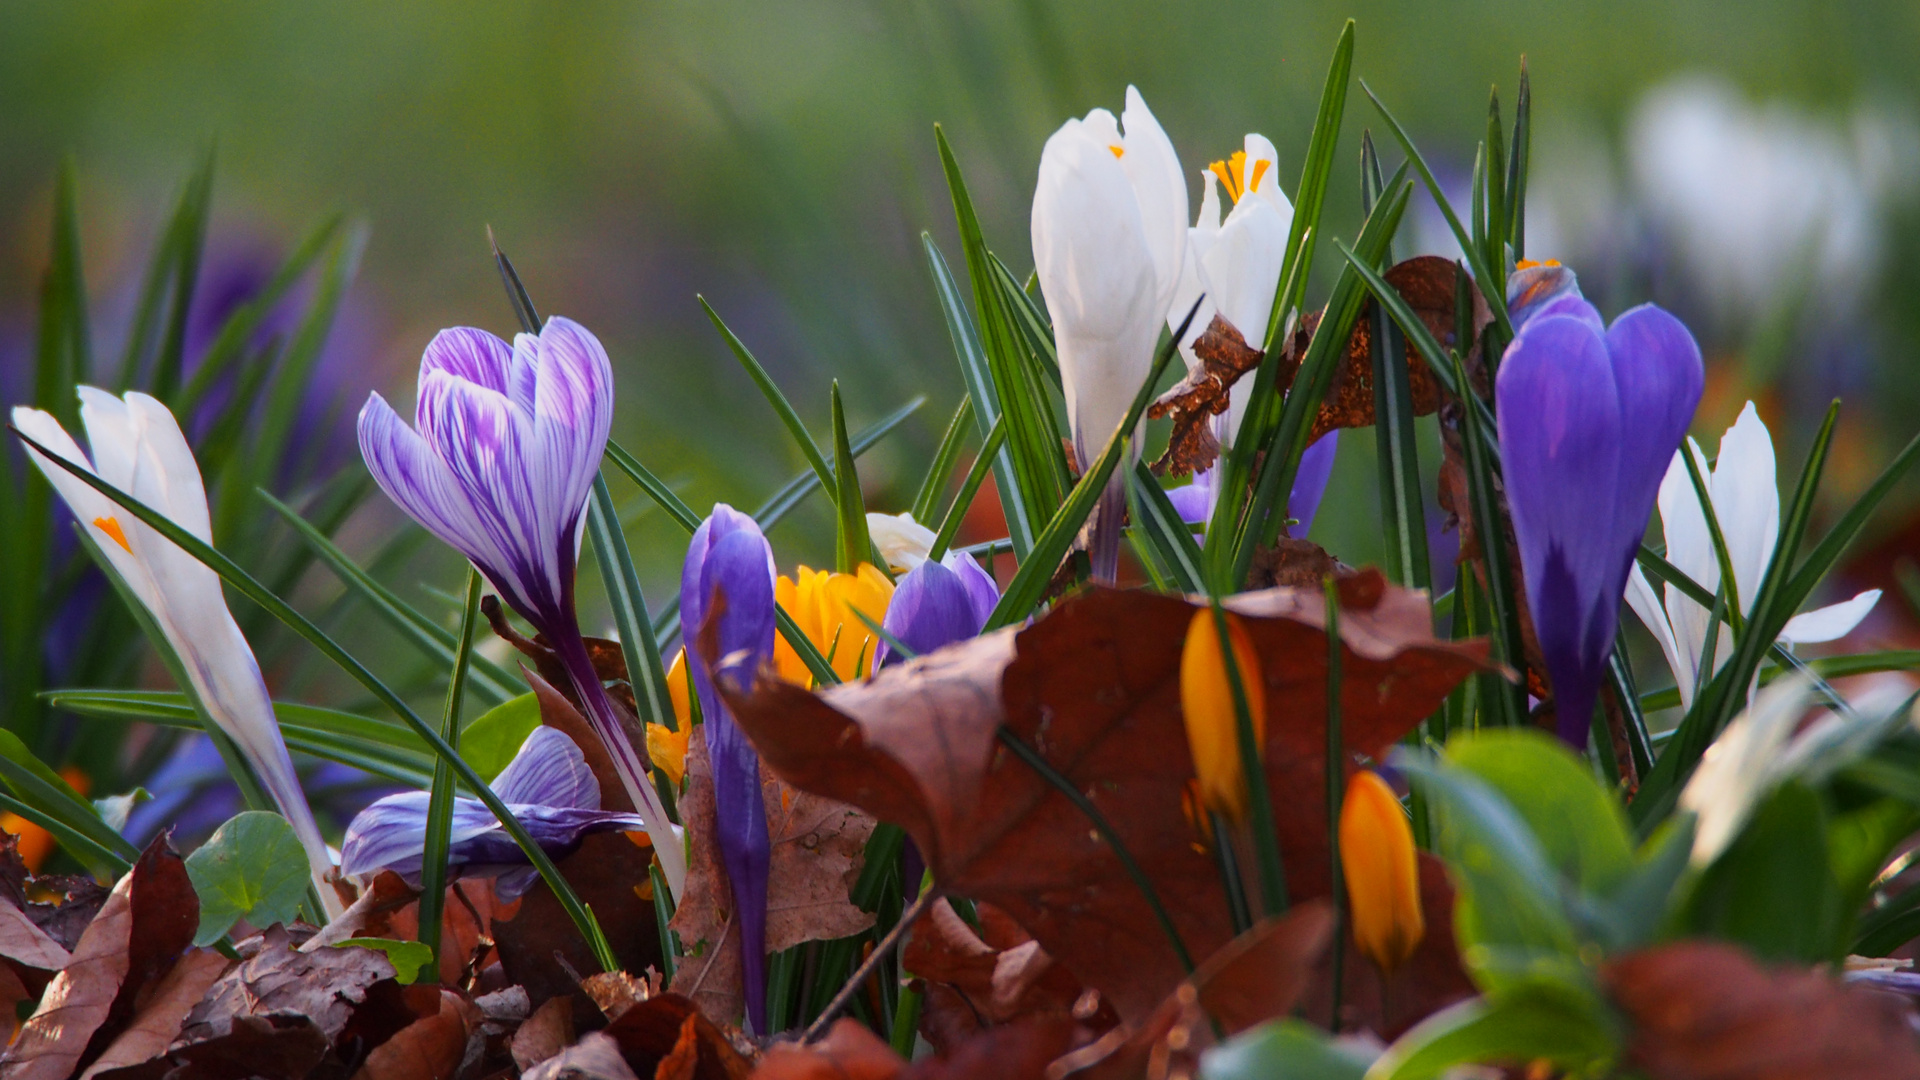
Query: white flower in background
x: 137, y: 447
x: 1109, y: 243
x: 1235, y: 264
x: 1741, y: 485
x: 902, y: 541
x: 1764, y: 205
x: 1760, y: 750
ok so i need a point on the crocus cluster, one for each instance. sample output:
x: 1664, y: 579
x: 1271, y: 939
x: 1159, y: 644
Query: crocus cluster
x: 1589, y: 415
x: 138, y: 448
x: 937, y: 602
x: 548, y: 788
x: 507, y: 446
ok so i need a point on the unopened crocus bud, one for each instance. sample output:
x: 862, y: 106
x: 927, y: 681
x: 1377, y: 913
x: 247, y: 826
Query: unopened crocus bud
x: 1206, y: 700
x: 1383, y: 876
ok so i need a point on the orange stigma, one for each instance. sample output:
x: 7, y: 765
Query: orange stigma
x: 1528, y: 264
x: 1233, y: 174
x: 111, y: 526
x: 1118, y: 151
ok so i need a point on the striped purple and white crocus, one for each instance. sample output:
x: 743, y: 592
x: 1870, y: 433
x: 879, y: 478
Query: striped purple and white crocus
x: 508, y: 443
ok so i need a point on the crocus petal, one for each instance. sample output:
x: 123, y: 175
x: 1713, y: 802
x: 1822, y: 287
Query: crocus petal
x: 1154, y: 171
x: 1747, y: 502
x: 1267, y: 184
x: 470, y: 355
x: 1690, y: 550
x: 983, y: 593
x: 1540, y: 290
x: 1659, y: 379
x: 548, y: 770
x: 1194, y: 502
x: 1829, y: 623
x: 1646, y: 604
x: 1741, y: 765
x: 1310, y: 482
x: 931, y: 608
x: 902, y: 541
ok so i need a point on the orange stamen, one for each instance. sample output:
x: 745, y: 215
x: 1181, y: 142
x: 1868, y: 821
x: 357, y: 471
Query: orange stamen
x: 1118, y: 151
x: 111, y: 526
x: 1528, y: 264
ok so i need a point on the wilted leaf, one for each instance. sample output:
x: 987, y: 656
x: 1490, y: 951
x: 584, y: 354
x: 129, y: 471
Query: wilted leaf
x: 147, y: 922
x: 655, y: 1029
x: 491, y: 740
x: 1295, y: 564
x: 546, y: 1033
x: 430, y: 1048
x: 158, y: 1022
x: 817, y: 849
x: 614, y: 992
x: 1094, y: 688
x: 323, y: 985
x: 23, y: 944
x: 595, y: 1057
x: 252, y: 868
x: 1707, y: 1011
x: 1224, y: 357
x: 996, y: 975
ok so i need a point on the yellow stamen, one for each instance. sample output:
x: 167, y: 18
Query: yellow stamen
x: 1382, y: 872
x: 1118, y: 151
x: 1206, y: 702
x: 1233, y: 173
x: 1259, y: 170
x: 111, y: 526
x: 1528, y: 264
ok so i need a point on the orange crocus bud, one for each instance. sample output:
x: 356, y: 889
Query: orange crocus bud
x: 1383, y: 875
x: 1206, y: 701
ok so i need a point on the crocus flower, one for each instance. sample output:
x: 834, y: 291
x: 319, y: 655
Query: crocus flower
x: 822, y: 604
x: 902, y: 541
x: 1109, y: 243
x: 547, y: 786
x: 937, y: 604
x: 1747, y: 505
x: 138, y: 448
x: 1194, y: 502
x: 1206, y: 704
x: 1382, y: 874
x: 1588, y: 416
x: 509, y: 443
x: 1232, y: 268
x: 727, y: 599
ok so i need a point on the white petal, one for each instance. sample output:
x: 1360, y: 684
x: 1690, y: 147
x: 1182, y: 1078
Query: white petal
x: 1690, y: 550
x: 1829, y: 623
x: 1746, y: 501
x: 110, y: 435
x: 185, y: 495
x: 1161, y: 187
x: 1741, y: 766
x: 1260, y: 148
x: 1646, y: 604
x: 902, y: 541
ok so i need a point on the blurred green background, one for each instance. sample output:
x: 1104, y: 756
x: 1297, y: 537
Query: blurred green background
x: 779, y: 159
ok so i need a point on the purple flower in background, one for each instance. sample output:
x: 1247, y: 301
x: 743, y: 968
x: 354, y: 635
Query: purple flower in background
x: 937, y: 604
x: 727, y: 606
x: 1194, y: 503
x: 548, y: 787
x: 509, y: 443
x: 1589, y: 416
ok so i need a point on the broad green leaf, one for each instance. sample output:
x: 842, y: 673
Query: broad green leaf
x: 1289, y: 1048
x: 492, y: 738
x: 1579, y: 824
x: 1773, y: 890
x: 1532, y: 1022
x: 410, y: 959
x: 252, y: 868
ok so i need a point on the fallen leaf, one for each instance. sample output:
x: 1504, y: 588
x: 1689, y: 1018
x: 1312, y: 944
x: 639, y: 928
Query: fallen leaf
x: 466, y: 922
x: 604, y: 871
x: 595, y: 1057
x: 77, y: 902
x: 279, y: 1046
x: 370, y: 916
x: 1093, y: 688
x: 324, y: 986
x: 818, y: 848
x: 650, y: 1032
x: 849, y: 1051
x: 1708, y: 1011
x: 158, y: 1022
x: 1389, y: 1004
x: 431, y: 1048
x: 1224, y: 357
x: 970, y: 982
x: 1295, y: 564
x: 1019, y: 1051
x: 546, y: 1033
x: 23, y: 944
x: 146, y: 923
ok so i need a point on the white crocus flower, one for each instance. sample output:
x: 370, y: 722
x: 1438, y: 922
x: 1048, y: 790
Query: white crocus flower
x: 902, y: 541
x: 1235, y: 264
x: 1109, y: 243
x: 137, y: 447
x: 1747, y: 504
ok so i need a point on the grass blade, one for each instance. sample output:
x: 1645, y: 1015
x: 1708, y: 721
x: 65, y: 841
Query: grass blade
x: 781, y: 406
x: 1155, y: 516
x: 940, y: 469
x: 1315, y: 174
x: 1508, y: 705
x: 433, y: 868
x: 976, y: 475
x: 645, y: 672
x: 852, y: 545
x: 1517, y: 163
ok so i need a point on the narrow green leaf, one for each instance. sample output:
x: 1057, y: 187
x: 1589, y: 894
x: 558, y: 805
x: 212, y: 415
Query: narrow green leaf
x: 645, y: 672
x: 1311, y: 196
x: 771, y: 390
x: 1155, y: 517
x: 1517, y: 163
x: 940, y: 469
x: 170, y: 282
x: 1496, y: 206
x: 1403, y: 515
x: 1508, y: 704
x: 433, y: 867
x: 233, y: 341
x: 852, y: 545
x: 963, y: 499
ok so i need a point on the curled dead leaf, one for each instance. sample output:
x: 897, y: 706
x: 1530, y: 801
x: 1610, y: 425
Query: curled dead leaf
x: 1224, y: 357
x: 975, y: 979
x: 849, y: 1051
x: 431, y: 1048
x: 672, y: 1026
x: 546, y: 1033
x: 158, y: 1022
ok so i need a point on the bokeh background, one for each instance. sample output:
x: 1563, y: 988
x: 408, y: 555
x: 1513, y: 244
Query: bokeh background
x: 1755, y: 167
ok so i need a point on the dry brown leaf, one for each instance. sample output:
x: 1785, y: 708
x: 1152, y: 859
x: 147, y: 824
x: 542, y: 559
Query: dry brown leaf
x: 817, y: 853
x: 25, y: 945
x: 546, y: 1033
x: 1295, y: 564
x: 559, y: 712
x: 605, y: 871
x: 158, y: 1022
x: 430, y: 1048
x: 850, y: 1051
x: 280, y: 1046
x: 1708, y: 1011
x: 976, y: 979
x: 1224, y: 357
x: 649, y: 1032
x: 324, y: 986
x: 369, y: 916
x: 147, y: 922
x: 595, y: 1057
x: 1094, y: 688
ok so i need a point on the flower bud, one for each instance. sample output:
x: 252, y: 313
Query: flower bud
x: 1382, y: 873
x: 1206, y: 701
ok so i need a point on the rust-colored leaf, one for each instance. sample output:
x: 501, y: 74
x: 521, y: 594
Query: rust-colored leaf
x: 146, y: 923
x: 817, y: 854
x: 850, y: 1051
x: 157, y: 1024
x: 605, y: 871
x: 1708, y: 1011
x: 1294, y: 564
x: 274, y: 978
x: 430, y: 1048
x: 23, y: 944
x: 1224, y: 357
x: 971, y: 982
x: 650, y: 1032
x: 277, y: 1046
x: 546, y: 1033
x: 1094, y: 688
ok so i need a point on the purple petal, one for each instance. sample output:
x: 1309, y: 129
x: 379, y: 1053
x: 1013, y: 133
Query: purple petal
x: 415, y: 478
x: 389, y: 835
x: 1310, y: 482
x: 1194, y: 503
x: 572, y: 413
x: 1659, y: 379
x: 469, y: 355
x: 1560, y: 434
x: 931, y: 608
x: 548, y: 770
x: 983, y: 593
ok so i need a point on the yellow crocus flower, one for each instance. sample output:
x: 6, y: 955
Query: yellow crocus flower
x: 1382, y: 872
x: 1206, y: 701
x: 822, y: 605
x: 668, y: 749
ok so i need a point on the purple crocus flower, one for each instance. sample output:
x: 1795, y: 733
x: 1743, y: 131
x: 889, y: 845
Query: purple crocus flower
x: 937, y: 604
x: 1194, y: 503
x: 1589, y: 417
x: 548, y: 787
x: 726, y: 604
x: 509, y: 443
